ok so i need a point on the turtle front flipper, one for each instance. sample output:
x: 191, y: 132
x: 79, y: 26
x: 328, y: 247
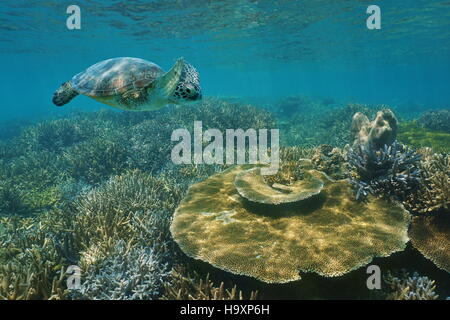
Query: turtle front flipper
x: 64, y: 94
x: 167, y: 83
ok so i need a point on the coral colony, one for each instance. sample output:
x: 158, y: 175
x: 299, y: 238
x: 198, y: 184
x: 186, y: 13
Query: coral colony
x: 92, y: 206
x: 382, y: 165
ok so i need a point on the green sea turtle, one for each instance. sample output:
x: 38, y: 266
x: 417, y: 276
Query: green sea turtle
x: 133, y: 84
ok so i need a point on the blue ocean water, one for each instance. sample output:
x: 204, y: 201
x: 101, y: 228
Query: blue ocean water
x: 255, y: 50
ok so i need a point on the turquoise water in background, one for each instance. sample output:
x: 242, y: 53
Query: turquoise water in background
x: 253, y: 50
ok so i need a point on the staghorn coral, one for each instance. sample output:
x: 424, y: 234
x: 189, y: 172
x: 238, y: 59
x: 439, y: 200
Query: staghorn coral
x: 34, y: 177
x: 389, y: 171
x: 409, y: 287
x: 30, y: 267
x: 9, y: 151
x: 214, y: 224
x: 115, y: 211
x: 96, y: 160
x: 118, y: 234
x: 431, y: 236
x: 436, y: 120
x: 183, y: 286
x: 56, y: 135
x: 129, y: 272
x: 12, y: 199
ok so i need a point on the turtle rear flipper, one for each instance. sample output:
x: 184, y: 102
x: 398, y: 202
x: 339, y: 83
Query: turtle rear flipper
x: 64, y: 94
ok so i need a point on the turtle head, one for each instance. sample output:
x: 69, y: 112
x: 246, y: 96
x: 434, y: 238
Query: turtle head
x: 188, y: 89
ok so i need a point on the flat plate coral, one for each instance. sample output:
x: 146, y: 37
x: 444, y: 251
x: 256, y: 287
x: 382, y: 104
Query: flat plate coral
x: 430, y: 235
x: 330, y: 234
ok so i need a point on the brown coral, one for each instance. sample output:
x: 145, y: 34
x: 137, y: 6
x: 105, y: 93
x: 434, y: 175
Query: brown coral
x: 330, y: 160
x: 431, y: 236
x: 381, y: 131
x: 330, y: 234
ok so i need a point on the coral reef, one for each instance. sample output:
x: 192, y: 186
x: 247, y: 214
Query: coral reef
x: 183, y: 286
x: 98, y: 190
x: 30, y: 180
x: 409, y: 287
x: 436, y: 120
x: 147, y: 151
x: 213, y: 223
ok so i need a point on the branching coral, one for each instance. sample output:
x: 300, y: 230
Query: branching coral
x: 147, y: 151
x: 390, y: 171
x: 11, y: 199
x: 116, y: 210
x: 436, y: 120
x: 433, y: 195
x: 118, y: 234
x: 30, y: 267
x: 96, y: 160
x: 410, y: 287
x: 183, y: 286
x: 129, y: 272
x: 56, y: 135
x: 329, y: 160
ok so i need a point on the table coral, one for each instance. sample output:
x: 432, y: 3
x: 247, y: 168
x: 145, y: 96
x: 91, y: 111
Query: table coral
x: 330, y: 234
x: 431, y: 236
